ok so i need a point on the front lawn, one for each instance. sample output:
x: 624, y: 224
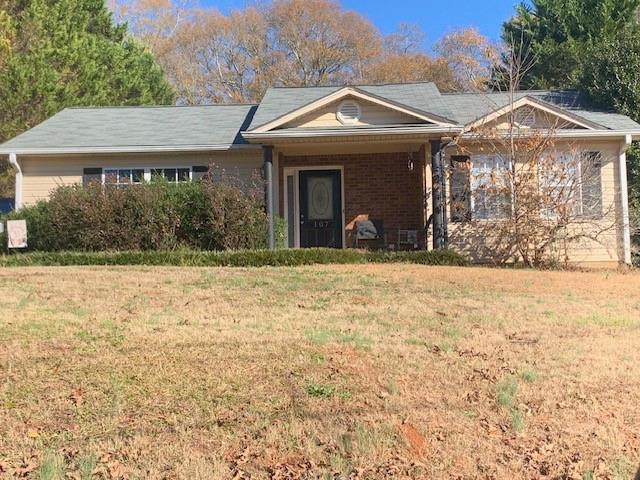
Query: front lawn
x: 351, y: 371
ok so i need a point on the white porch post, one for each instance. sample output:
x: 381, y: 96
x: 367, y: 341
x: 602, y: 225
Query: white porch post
x: 624, y: 199
x: 13, y: 160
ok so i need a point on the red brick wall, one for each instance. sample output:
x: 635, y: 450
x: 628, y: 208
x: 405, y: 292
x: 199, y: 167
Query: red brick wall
x: 376, y: 186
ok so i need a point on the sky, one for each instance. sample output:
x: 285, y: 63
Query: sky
x: 436, y: 17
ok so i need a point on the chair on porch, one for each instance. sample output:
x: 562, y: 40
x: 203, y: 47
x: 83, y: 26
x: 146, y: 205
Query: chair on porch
x: 369, y: 234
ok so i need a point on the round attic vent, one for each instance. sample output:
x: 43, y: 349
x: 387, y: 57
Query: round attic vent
x: 349, y: 112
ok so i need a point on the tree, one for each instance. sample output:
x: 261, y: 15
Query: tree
x: 211, y: 57
x: 66, y: 53
x: 529, y: 195
x: 469, y: 56
x: 558, y: 33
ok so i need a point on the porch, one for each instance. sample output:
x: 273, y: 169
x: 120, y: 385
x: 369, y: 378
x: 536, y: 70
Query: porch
x: 323, y: 196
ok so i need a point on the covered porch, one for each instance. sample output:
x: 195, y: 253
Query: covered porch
x: 333, y: 194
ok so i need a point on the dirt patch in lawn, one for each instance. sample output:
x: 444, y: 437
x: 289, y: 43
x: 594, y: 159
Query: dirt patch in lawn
x: 319, y: 372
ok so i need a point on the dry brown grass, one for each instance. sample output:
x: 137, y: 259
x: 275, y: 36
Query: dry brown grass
x: 319, y: 372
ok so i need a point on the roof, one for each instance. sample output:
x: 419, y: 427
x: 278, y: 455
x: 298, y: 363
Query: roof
x: 221, y: 126
x: 467, y: 107
x: 215, y: 126
x: 463, y: 108
x: 282, y: 100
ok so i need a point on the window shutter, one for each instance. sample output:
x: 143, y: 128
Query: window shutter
x: 199, y: 171
x: 91, y: 176
x: 460, y: 189
x: 591, y: 172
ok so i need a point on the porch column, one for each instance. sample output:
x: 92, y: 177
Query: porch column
x: 267, y: 155
x: 439, y: 220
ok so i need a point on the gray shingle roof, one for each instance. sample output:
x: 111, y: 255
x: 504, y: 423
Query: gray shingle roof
x: 215, y: 125
x: 460, y: 107
x: 467, y: 107
x: 280, y: 101
x: 221, y: 125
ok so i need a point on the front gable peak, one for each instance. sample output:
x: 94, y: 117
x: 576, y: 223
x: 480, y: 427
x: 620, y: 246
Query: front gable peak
x: 351, y: 106
x: 529, y: 112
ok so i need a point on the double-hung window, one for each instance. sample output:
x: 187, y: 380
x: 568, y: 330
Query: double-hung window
x: 570, y: 184
x: 490, y: 187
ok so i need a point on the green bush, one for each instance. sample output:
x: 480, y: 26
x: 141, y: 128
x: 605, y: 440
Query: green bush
x: 156, y: 216
x: 240, y: 258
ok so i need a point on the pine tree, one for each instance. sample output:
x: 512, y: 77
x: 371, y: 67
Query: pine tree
x: 60, y: 53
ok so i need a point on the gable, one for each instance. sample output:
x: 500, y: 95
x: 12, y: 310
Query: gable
x: 370, y: 114
x: 350, y: 93
x: 530, y: 113
x: 529, y: 117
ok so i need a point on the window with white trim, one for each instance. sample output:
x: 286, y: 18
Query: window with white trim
x: 123, y: 177
x: 490, y: 187
x: 172, y: 175
x: 570, y: 184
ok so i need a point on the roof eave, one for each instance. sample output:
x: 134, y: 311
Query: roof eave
x: 259, y: 137
x: 6, y: 150
x: 635, y: 134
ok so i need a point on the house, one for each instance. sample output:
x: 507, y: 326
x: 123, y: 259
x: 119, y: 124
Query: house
x: 335, y: 156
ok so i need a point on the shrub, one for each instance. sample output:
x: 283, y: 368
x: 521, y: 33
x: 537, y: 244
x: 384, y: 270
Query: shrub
x: 156, y: 216
x: 243, y: 258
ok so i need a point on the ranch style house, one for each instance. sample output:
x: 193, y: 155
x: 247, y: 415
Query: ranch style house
x: 343, y: 166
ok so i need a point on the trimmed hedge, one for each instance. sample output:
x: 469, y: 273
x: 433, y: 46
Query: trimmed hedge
x: 207, y: 215
x: 238, y: 258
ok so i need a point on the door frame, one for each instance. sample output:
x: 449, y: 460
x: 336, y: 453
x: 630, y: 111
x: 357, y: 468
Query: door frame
x: 295, y: 171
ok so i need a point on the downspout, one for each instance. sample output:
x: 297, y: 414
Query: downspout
x: 624, y: 199
x: 13, y: 161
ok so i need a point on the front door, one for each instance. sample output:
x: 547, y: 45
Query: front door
x: 320, y: 208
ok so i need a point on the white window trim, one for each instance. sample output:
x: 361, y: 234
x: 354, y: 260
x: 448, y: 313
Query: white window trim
x: 147, y: 172
x: 473, y: 190
x: 579, y: 155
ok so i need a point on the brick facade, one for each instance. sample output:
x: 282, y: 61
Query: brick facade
x: 383, y: 186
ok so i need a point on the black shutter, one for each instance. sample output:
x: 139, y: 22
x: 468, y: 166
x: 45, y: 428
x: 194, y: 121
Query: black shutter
x: 460, y: 189
x: 91, y: 176
x: 199, y: 171
x: 591, y: 172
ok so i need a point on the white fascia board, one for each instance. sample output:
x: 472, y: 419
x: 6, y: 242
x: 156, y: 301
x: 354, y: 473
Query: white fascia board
x: 340, y: 94
x: 123, y: 149
x: 323, y: 133
x: 635, y: 135
x: 534, y: 103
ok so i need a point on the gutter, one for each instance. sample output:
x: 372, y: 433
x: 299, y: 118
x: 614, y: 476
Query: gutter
x: 635, y: 135
x: 13, y: 161
x: 125, y: 149
x: 324, y: 133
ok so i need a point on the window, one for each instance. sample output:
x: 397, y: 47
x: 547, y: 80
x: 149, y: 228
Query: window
x: 122, y: 177
x: 571, y: 184
x: 490, y: 187
x: 172, y: 175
